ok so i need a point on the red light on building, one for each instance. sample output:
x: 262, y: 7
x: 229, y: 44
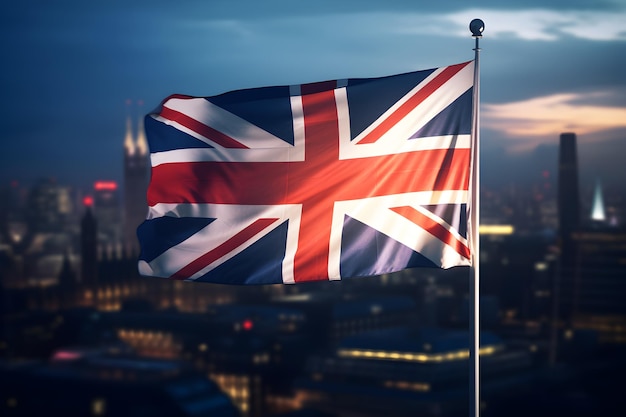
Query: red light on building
x: 88, y: 201
x: 105, y: 185
x: 247, y: 324
x: 66, y: 355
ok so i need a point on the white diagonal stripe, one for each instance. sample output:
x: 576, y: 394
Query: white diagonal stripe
x: 230, y: 220
x: 225, y: 122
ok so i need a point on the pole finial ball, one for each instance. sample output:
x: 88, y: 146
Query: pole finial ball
x: 477, y: 27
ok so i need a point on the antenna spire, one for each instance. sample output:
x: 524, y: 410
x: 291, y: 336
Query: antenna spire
x: 129, y: 144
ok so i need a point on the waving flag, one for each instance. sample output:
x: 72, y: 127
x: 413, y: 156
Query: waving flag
x: 316, y: 181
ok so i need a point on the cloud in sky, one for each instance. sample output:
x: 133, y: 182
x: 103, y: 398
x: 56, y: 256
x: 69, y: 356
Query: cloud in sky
x: 525, y: 24
x: 533, y: 120
x: 544, y: 24
x: 531, y: 24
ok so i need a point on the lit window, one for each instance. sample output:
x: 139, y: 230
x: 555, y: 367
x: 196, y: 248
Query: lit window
x: 98, y: 406
x: 376, y: 309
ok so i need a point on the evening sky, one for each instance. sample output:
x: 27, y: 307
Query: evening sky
x: 74, y: 70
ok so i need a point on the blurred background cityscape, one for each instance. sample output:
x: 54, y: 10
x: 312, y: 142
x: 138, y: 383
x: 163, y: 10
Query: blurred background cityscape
x: 83, y: 334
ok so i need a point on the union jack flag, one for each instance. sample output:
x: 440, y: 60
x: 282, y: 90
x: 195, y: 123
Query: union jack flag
x: 319, y: 181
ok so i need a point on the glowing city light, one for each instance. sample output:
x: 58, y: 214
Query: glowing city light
x: 496, y: 229
x: 105, y: 185
x: 66, y: 355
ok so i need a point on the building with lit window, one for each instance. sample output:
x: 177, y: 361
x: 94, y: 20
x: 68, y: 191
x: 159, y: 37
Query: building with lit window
x: 519, y: 275
x: 251, y: 352
x: 80, y: 383
x: 49, y: 207
x: 593, y: 287
x: 406, y: 371
x: 337, y: 315
x: 107, y: 210
x: 590, y: 288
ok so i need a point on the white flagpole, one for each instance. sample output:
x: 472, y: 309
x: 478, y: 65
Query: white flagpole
x: 476, y: 27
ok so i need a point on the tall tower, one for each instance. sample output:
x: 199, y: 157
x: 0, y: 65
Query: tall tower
x: 567, y: 281
x: 89, y: 244
x: 135, y: 184
x: 107, y: 211
x: 569, y: 199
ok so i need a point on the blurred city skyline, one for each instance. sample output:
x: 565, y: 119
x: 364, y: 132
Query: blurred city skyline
x: 82, y: 333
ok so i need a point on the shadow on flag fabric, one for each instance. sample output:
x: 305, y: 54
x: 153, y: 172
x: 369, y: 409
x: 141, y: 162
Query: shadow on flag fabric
x: 319, y: 181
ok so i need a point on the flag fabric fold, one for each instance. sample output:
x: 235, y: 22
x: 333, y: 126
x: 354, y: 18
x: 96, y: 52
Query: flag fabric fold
x: 319, y: 181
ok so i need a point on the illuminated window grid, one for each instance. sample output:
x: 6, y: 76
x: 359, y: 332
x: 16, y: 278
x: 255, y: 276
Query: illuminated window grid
x: 282, y: 404
x: 346, y: 328
x: 108, y: 298
x: 237, y: 387
x: 156, y: 344
x: 409, y: 386
x: 611, y: 329
x: 414, y: 356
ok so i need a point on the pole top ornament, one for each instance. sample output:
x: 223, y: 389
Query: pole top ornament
x: 477, y: 27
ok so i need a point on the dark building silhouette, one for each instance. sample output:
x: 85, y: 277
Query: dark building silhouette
x: 569, y: 222
x: 135, y: 183
x: 67, y: 278
x: 87, y: 383
x: 600, y: 274
x: 407, y: 371
x: 89, y: 247
x: 568, y: 194
x: 589, y: 281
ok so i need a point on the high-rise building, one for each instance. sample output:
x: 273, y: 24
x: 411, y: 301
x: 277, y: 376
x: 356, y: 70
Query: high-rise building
x: 13, y: 216
x: 89, y: 245
x: 569, y: 199
x: 135, y: 183
x: 590, y: 286
x: 49, y: 206
x: 567, y: 277
x: 107, y: 211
